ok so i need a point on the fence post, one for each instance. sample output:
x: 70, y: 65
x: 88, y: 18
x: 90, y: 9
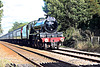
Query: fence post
x: 92, y: 40
x: 98, y: 40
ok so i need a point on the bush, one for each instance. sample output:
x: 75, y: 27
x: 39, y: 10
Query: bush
x: 96, y: 48
x: 79, y: 39
x: 88, y: 46
x: 71, y: 37
x: 69, y: 32
x: 84, y: 46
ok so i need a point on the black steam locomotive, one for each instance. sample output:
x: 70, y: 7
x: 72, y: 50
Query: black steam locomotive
x: 41, y: 33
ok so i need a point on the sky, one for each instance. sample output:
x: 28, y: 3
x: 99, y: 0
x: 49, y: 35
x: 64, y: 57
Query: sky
x: 20, y: 11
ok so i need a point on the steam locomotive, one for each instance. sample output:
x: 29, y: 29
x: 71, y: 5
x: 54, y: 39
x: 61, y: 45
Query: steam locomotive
x: 41, y: 33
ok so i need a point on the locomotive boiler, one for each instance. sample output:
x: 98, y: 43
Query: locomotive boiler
x: 41, y: 33
x: 47, y: 25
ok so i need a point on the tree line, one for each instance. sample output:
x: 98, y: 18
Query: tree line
x: 1, y: 14
x: 17, y: 25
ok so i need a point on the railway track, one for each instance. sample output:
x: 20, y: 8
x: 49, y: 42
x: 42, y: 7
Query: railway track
x: 38, y: 59
x: 81, y: 55
x: 95, y: 57
x: 80, y: 52
x: 66, y: 52
x: 37, y: 65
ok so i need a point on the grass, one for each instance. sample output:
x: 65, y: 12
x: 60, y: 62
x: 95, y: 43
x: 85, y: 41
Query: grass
x: 88, y: 46
x: 3, y: 62
x: 64, y: 46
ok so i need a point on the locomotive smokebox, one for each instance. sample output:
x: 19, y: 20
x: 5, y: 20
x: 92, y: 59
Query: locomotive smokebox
x: 50, y: 25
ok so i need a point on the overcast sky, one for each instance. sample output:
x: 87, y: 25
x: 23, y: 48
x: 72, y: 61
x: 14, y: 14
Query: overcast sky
x: 20, y: 11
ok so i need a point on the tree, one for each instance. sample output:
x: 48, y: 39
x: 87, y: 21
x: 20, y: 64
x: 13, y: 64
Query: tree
x: 17, y: 25
x: 68, y: 12
x: 94, y: 12
x: 45, y: 9
x: 94, y: 7
x: 1, y: 13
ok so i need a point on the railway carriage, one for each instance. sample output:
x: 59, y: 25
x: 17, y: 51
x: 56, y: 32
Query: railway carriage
x: 40, y: 34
